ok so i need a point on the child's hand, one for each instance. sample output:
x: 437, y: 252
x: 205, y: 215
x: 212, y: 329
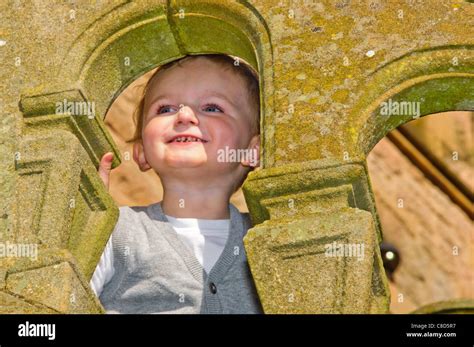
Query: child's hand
x: 105, y: 167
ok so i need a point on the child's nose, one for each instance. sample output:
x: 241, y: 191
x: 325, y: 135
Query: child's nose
x: 186, y: 114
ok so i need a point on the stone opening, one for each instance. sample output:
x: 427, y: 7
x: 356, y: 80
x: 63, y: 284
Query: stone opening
x: 420, y: 175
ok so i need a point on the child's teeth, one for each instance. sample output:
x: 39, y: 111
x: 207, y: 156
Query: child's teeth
x: 187, y: 139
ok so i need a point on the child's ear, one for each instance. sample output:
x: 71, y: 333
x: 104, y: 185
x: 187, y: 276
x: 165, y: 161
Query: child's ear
x: 253, y: 159
x: 139, y: 157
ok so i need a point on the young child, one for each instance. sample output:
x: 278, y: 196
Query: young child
x: 185, y: 253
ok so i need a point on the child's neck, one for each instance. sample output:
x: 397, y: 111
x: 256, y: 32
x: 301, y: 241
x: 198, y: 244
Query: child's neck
x: 189, y: 203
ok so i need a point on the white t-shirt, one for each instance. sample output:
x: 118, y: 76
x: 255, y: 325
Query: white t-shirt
x: 206, y: 238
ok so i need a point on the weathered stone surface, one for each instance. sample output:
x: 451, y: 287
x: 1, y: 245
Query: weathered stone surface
x: 38, y: 284
x: 52, y: 283
x: 288, y: 258
x: 332, y: 203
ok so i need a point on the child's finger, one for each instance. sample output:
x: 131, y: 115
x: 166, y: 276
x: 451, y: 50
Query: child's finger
x: 104, y: 168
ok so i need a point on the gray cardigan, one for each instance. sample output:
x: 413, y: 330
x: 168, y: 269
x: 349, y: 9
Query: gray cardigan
x: 156, y: 273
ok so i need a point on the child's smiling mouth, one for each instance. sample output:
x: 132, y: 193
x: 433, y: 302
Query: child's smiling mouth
x: 186, y: 140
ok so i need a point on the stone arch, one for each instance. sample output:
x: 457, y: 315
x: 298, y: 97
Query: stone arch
x: 440, y: 78
x: 96, y: 65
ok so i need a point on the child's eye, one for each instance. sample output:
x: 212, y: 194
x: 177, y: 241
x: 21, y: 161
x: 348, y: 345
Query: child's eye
x: 163, y: 107
x: 212, y: 106
x: 167, y: 108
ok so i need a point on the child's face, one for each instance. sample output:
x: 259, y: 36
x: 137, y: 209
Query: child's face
x: 201, y: 99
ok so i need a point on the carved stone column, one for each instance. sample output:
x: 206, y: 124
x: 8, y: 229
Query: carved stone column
x: 315, y: 244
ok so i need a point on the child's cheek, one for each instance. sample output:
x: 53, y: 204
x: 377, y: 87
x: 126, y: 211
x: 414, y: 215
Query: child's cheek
x: 227, y: 133
x: 152, y: 133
